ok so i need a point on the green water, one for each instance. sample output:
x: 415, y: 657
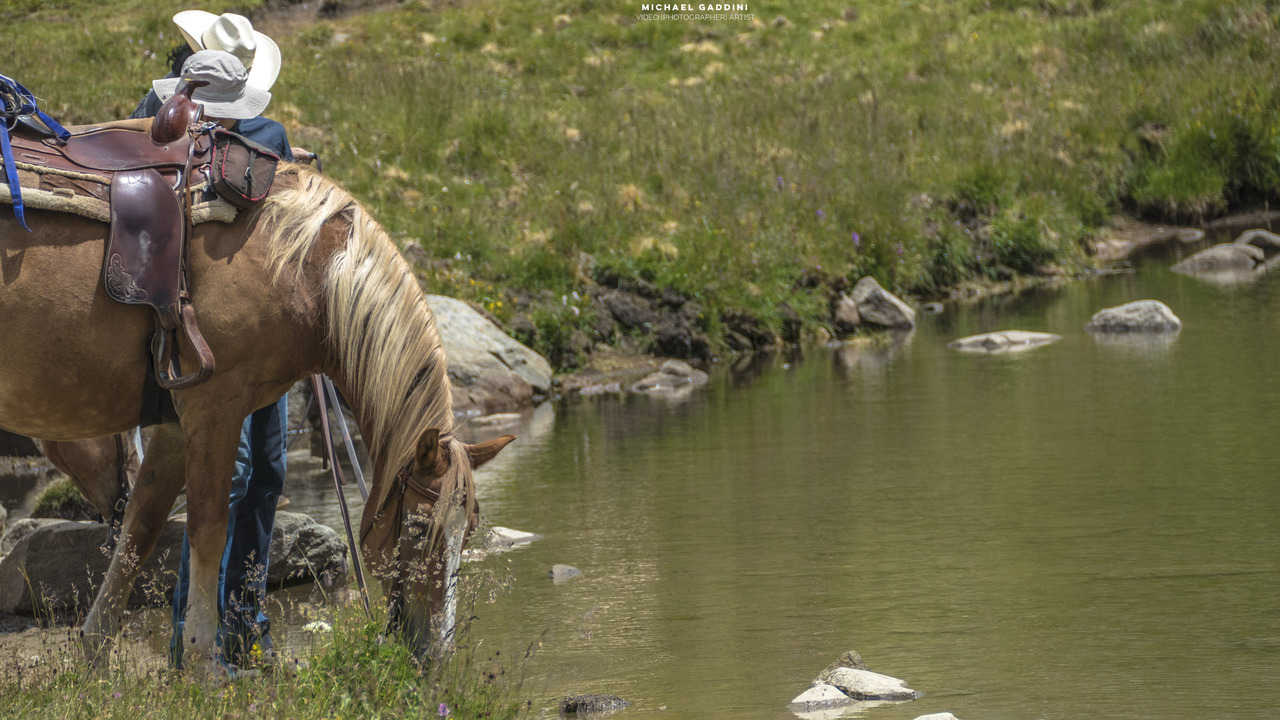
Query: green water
x: 1087, y: 530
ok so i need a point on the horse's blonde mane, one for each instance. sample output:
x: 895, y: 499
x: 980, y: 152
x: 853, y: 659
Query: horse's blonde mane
x: 381, y: 328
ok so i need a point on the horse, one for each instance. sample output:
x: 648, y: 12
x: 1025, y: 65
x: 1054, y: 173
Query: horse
x: 306, y: 282
x: 103, y: 469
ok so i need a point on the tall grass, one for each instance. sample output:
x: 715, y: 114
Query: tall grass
x: 534, y: 148
x: 352, y: 670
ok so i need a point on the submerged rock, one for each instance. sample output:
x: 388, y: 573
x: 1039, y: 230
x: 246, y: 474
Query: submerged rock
x: 938, y: 716
x: 673, y: 376
x: 1137, y: 316
x: 1006, y: 341
x: 591, y: 704
x: 560, y: 573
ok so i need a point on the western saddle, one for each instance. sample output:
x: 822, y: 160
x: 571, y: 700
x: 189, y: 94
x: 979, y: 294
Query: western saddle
x: 149, y: 171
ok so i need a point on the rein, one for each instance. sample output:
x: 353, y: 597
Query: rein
x: 16, y: 104
x: 336, y: 471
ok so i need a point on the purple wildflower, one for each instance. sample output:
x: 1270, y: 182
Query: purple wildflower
x: 857, y: 241
x: 444, y: 710
x: 781, y: 184
x: 821, y: 214
x: 116, y: 694
x: 900, y: 249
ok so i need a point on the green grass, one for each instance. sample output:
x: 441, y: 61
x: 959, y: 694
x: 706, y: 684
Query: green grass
x: 355, y: 672
x: 925, y: 143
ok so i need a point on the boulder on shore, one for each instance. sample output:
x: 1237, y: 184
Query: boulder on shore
x: 490, y: 371
x: 879, y: 306
x: 1137, y: 316
x: 57, y: 565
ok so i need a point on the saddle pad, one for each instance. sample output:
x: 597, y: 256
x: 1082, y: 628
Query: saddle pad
x: 49, y: 196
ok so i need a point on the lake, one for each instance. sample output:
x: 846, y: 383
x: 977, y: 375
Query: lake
x: 1085, y: 530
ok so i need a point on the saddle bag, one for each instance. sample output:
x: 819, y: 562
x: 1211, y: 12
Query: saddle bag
x: 241, y: 169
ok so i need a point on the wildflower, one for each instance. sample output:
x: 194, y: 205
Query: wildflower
x: 821, y: 215
x: 116, y: 694
x: 781, y: 184
x: 444, y: 710
x: 857, y: 241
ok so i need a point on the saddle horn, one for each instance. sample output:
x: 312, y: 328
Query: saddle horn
x: 177, y: 113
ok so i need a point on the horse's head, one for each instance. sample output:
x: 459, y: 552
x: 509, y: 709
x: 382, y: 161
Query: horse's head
x: 418, y: 525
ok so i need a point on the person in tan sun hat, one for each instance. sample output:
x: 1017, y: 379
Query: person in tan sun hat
x: 261, y: 463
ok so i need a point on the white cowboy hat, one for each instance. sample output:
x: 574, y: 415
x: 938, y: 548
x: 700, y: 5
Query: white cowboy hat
x: 227, y: 93
x: 235, y: 34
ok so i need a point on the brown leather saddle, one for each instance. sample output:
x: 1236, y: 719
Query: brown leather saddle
x: 152, y: 170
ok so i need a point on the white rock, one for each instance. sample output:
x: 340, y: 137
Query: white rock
x: 819, y: 696
x: 1007, y: 341
x: 507, y: 537
x: 867, y: 685
x: 1137, y: 316
x: 938, y: 716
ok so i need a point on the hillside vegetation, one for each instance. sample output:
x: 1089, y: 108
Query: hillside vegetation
x: 529, y: 155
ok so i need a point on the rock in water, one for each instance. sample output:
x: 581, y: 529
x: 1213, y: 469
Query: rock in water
x: 867, y: 685
x: 1227, y: 257
x: 1137, y: 316
x: 591, y: 704
x: 560, y: 573
x: 1007, y: 341
x: 819, y: 697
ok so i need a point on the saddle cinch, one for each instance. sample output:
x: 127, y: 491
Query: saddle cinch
x: 150, y: 171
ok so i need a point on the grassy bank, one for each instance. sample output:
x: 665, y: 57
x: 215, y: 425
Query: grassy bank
x: 752, y: 165
x: 355, y: 673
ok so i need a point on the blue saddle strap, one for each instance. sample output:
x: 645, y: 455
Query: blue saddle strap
x: 17, y: 101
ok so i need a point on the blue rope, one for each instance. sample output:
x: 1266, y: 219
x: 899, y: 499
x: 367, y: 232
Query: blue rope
x: 19, y: 101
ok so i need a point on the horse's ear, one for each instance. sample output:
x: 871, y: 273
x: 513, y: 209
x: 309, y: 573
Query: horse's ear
x: 428, y: 449
x: 482, y: 453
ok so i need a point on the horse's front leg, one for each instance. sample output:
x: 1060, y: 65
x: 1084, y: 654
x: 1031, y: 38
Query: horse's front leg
x: 210, y: 463
x: 159, y: 481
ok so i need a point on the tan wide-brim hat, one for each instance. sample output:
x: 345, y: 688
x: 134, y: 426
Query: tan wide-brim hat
x: 234, y: 34
x: 225, y: 92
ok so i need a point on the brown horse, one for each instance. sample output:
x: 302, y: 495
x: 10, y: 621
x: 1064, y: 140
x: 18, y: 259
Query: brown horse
x: 102, y: 468
x: 306, y: 283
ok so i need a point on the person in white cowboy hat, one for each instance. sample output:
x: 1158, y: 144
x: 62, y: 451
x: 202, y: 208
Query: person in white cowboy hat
x: 230, y: 32
x: 259, y: 477
x: 235, y: 34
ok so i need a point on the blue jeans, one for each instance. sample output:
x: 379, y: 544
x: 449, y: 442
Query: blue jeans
x: 242, y: 576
